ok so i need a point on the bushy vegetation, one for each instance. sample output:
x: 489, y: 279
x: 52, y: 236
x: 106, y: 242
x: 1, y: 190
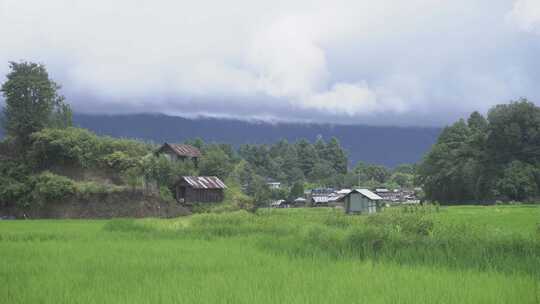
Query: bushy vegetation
x: 486, y: 159
x: 80, y: 147
x: 48, y: 186
x: 405, y: 255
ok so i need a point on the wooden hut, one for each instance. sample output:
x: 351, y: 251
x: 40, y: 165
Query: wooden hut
x: 200, y: 189
x: 181, y: 152
x: 361, y: 201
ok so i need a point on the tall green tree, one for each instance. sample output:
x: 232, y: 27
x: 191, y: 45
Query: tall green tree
x: 215, y: 162
x: 32, y: 102
x: 307, y: 156
x: 336, y: 155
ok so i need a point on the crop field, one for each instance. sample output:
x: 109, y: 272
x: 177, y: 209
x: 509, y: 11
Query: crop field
x: 402, y: 255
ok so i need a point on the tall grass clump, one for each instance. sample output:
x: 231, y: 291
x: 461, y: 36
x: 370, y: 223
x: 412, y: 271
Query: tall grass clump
x: 128, y: 226
x: 238, y: 223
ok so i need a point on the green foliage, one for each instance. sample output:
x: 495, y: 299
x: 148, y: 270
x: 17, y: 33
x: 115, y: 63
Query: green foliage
x: 215, y: 162
x: 164, y: 172
x: 320, y: 163
x: 32, y: 102
x: 166, y: 195
x: 80, y: 147
x: 133, y: 177
x: 519, y: 181
x: 260, y: 191
x: 14, y: 192
x: 72, y: 146
x: 484, y: 159
x: 297, y: 190
x: 235, y: 200
x: 119, y: 161
x: 88, y: 189
x: 404, y: 180
x: 49, y: 187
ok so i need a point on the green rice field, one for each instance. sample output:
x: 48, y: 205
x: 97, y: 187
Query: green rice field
x: 468, y: 254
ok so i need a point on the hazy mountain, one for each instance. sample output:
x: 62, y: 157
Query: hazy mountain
x: 389, y: 146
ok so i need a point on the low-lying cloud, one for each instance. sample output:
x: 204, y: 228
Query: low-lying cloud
x: 419, y: 62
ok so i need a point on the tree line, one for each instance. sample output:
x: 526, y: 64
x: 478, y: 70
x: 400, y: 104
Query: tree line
x: 486, y: 158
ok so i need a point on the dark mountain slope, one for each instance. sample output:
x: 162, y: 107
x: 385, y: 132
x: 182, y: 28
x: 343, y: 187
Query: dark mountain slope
x: 389, y: 146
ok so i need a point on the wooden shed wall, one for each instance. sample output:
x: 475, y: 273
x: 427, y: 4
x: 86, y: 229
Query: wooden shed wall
x: 357, y: 203
x: 192, y: 195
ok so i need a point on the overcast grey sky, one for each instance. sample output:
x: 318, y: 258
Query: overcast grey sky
x: 385, y: 62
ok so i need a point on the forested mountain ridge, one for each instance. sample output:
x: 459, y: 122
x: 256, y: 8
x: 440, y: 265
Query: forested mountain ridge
x: 389, y: 146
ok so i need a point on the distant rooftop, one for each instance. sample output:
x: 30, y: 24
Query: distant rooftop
x: 183, y: 150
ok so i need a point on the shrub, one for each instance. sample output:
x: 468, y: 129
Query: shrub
x: 85, y: 190
x: 366, y: 240
x: 48, y: 186
x: 166, y: 194
x: 133, y: 177
x: 408, y: 220
x: 63, y: 146
x: 13, y: 191
x: 118, y: 160
x: 81, y: 147
x: 323, y: 238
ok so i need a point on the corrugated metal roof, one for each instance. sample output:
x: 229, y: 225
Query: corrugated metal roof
x: 204, y: 182
x: 369, y: 194
x: 320, y: 199
x: 184, y: 150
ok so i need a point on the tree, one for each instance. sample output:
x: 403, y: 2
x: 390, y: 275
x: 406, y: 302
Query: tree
x: 377, y: 173
x: 320, y: 147
x: 297, y: 190
x: 486, y: 159
x: 215, y: 162
x: 519, y: 181
x: 307, y: 156
x: 336, y: 156
x: 32, y: 102
x: 405, y: 168
x: 443, y: 171
x: 514, y: 132
x: 260, y: 191
x: 322, y: 173
x: 404, y: 180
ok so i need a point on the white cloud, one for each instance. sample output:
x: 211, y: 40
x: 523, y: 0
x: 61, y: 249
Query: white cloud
x: 351, y: 99
x: 330, y: 59
x: 526, y: 15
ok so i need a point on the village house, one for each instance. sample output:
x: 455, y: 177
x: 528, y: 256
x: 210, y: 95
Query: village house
x: 200, y: 189
x: 273, y: 184
x: 175, y: 152
x: 361, y: 201
x: 300, y: 202
x: 397, y: 196
x: 320, y: 197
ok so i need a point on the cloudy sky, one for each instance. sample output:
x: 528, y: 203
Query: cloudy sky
x: 384, y: 62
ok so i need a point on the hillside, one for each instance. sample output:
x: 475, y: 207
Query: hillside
x: 389, y: 146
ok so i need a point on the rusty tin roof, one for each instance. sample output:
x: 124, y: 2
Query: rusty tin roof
x: 204, y: 182
x: 183, y: 150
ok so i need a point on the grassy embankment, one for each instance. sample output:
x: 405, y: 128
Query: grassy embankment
x: 451, y: 255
